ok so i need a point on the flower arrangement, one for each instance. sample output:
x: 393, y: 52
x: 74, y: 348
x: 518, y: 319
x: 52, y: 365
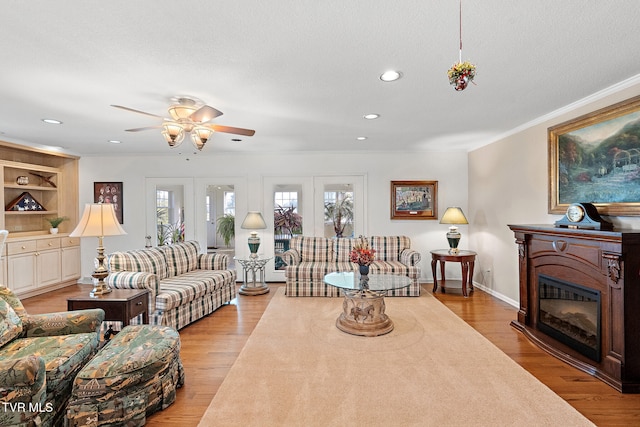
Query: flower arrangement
x: 461, y: 73
x: 362, y: 253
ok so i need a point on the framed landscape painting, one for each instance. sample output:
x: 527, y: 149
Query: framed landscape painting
x: 109, y: 192
x: 595, y: 158
x: 414, y: 199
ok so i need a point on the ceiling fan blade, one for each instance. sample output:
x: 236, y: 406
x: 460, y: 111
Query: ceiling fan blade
x: 136, y: 111
x: 229, y: 129
x: 204, y: 114
x: 144, y: 128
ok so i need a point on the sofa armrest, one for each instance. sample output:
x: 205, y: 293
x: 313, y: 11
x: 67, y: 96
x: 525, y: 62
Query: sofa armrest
x: 63, y: 323
x: 23, y: 386
x: 136, y: 280
x: 410, y: 257
x: 291, y: 257
x: 214, y: 261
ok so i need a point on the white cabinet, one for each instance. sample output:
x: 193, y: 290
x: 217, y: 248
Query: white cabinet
x: 70, y: 258
x: 38, y: 264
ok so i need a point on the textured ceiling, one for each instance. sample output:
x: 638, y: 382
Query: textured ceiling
x: 303, y: 73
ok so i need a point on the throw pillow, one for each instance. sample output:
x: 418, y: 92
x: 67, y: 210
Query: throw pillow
x: 10, y: 323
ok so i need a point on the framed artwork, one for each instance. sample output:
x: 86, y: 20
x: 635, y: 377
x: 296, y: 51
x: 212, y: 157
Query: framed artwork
x: 595, y: 158
x: 109, y: 192
x: 414, y: 199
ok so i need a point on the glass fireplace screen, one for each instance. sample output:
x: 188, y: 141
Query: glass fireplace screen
x: 570, y: 313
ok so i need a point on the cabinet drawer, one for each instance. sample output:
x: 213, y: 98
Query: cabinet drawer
x: 45, y: 244
x: 14, y: 248
x: 67, y: 242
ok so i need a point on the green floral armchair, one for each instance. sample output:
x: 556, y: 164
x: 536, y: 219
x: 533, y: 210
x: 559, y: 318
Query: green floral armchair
x: 39, y: 357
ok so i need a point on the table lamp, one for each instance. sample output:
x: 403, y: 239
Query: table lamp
x: 254, y: 221
x: 98, y: 220
x: 453, y: 215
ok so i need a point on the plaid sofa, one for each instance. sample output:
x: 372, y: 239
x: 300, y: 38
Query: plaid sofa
x: 309, y: 259
x: 183, y: 284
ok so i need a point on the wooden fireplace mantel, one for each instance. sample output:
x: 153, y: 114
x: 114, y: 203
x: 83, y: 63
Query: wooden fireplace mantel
x: 606, y: 261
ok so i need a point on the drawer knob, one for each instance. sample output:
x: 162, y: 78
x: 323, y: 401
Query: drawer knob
x: 139, y: 303
x: 24, y: 247
x: 50, y: 244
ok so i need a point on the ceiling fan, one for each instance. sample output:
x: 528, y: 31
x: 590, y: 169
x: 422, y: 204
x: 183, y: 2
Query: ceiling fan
x: 188, y: 117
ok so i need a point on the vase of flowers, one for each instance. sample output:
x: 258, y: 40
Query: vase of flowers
x: 460, y: 74
x: 363, y: 255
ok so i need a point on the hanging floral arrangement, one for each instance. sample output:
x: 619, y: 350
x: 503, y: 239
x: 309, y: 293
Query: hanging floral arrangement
x: 460, y: 74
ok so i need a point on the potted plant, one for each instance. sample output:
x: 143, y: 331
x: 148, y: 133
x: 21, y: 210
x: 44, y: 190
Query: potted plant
x: 226, y: 227
x: 340, y: 212
x: 286, y: 221
x: 461, y: 73
x: 55, y: 222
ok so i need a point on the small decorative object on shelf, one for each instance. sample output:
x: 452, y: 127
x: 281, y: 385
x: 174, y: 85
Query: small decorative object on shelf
x: 45, y: 179
x: 363, y: 255
x: 24, y: 202
x: 22, y: 180
x: 55, y: 222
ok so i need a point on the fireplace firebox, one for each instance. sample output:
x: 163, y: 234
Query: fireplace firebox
x: 570, y: 313
x: 579, y: 295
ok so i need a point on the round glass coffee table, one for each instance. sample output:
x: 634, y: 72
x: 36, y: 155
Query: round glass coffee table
x: 363, y: 306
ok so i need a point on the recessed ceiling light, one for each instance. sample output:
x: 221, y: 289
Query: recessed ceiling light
x: 371, y: 116
x: 115, y: 141
x: 52, y: 121
x: 361, y: 138
x: 390, y: 76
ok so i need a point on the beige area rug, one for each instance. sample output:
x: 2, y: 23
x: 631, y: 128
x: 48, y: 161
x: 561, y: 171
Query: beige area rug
x: 298, y: 369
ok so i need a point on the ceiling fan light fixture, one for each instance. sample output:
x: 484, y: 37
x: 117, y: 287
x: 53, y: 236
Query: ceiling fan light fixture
x: 183, y: 109
x: 173, y: 133
x: 200, y: 135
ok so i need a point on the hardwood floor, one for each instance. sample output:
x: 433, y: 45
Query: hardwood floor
x: 211, y: 345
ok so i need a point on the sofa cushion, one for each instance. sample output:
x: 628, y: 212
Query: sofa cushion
x: 179, y: 290
x: 10, y: 323
x: 318, y: 249
x: 388, y: 248
x: 8, y: 295
x: 342, y: 248
x: 63, y: 356
x: 151, y: 260
x: 181, y: 257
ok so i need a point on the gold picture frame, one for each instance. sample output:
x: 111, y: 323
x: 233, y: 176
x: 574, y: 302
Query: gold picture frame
x: 414, y: 199
x: 595, y: 158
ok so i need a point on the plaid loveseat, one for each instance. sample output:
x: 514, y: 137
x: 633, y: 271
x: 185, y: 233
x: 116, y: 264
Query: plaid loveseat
x: 309, y: 259
x: 183, y: 284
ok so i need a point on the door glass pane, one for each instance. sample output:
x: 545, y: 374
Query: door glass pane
x: 338, y: 210
x: 287, y: 219
x: 169, y: 215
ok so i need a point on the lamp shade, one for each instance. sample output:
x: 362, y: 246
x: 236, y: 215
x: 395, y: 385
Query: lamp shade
x: 98, y: 220
x: 253, y: 221
x: 453, y: 215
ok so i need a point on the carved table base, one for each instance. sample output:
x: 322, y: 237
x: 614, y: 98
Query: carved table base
x: 363, y: 314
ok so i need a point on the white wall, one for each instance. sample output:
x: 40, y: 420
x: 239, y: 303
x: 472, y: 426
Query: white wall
x: 508, y: 184
x: 448, y: 168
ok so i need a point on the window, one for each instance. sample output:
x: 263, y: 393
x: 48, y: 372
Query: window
x: 229, y: 203
x: 162, y: 207
x: 287, y: 199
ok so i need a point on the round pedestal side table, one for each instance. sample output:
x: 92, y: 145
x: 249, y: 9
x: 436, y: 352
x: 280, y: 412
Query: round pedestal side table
x: 253, y: 266
x: 467, y: 261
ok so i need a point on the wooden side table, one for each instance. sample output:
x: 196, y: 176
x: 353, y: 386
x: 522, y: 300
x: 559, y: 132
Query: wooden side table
x: 119, y: 305
x: 467, y: 261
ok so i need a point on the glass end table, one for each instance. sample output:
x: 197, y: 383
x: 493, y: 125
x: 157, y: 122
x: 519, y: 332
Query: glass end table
x: 363, y: 309
x: 253, y: 266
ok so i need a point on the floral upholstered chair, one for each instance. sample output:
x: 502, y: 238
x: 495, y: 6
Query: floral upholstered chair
x: 40, y: 356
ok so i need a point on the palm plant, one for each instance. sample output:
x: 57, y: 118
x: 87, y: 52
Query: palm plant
x: 340, y: 212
